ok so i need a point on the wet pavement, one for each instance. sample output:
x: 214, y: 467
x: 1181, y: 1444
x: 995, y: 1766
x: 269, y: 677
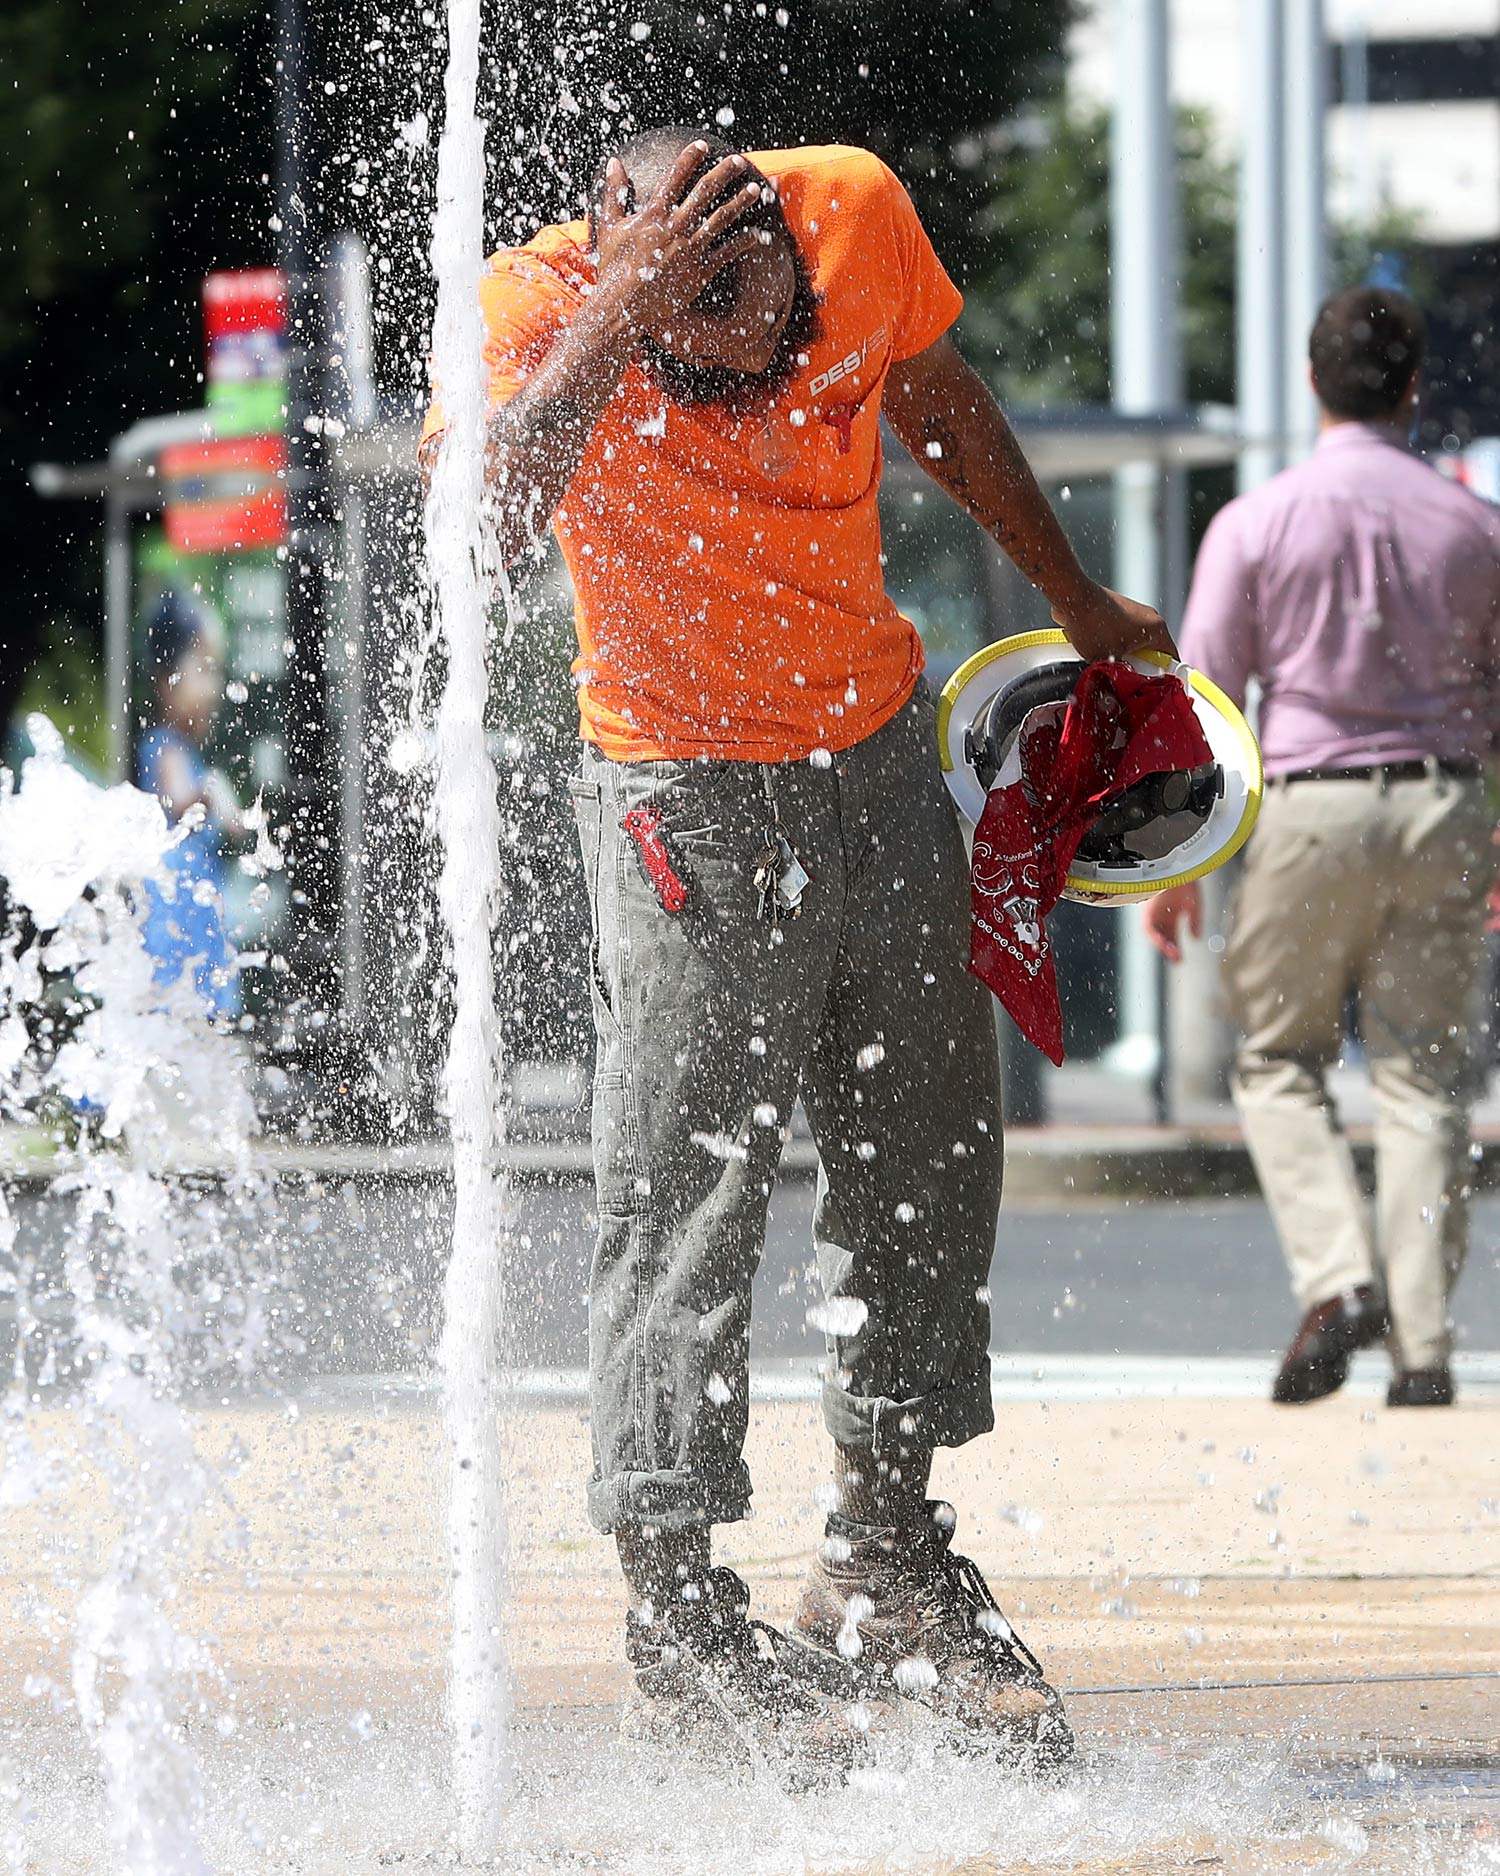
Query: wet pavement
x: 1278, y: 1632
x: 330, y: 1800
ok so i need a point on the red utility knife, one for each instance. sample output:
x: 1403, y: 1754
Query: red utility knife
x: 644, y: 827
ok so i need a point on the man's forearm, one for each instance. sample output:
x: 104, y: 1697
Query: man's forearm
x: 537, y: 438
x: 963, y: 441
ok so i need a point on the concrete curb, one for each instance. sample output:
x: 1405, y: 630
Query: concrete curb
x: 1013, y: 1377
x: 1044, y: 1165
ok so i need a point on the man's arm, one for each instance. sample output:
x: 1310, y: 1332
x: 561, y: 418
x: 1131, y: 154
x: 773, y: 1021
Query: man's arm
x: 945, y: 415
x: 536, y: 439
x: 652, y: 265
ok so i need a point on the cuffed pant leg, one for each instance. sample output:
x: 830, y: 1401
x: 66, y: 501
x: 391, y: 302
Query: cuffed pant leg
x: 702, y: 1022
x: 903, y: 1092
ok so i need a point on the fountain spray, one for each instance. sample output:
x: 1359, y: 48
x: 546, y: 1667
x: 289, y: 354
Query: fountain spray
x: 462, y: 570
x: 149, y: 1085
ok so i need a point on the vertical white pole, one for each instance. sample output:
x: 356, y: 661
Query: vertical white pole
x: 1261, y: 297
x: 1145, y: 354
x: 1146, y: 368
x: 1306, y: 219
x: 1356, y: 97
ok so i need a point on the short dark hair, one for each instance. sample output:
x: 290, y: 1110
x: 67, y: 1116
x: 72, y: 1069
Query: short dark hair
x: 1367, y: 345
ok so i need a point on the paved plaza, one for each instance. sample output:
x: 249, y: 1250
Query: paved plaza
x: 1261, y: 1594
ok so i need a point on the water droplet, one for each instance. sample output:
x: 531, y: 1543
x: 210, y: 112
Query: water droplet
x: 839, y: 1315
x: 915, y: 1675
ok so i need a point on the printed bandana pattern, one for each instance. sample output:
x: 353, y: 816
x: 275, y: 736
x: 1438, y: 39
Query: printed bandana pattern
x: 1068, y: 762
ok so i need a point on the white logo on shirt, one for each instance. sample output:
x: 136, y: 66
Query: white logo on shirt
x: 851, y: 362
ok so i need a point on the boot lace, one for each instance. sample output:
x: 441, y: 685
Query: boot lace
x: 958, y: 1606
x: 772, y: 1664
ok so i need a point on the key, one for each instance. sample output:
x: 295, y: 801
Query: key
x: 767, y: 870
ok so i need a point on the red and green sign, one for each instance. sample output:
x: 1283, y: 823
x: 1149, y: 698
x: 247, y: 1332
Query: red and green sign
x: 225, y: 496
x: 245, y: 329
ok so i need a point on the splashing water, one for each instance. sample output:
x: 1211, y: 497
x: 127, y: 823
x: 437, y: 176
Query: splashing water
x: 461, y: 569
x: 150, y: 1086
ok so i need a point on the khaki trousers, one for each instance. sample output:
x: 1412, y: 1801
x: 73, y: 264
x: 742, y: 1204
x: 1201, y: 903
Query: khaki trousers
x: 1377, y: 888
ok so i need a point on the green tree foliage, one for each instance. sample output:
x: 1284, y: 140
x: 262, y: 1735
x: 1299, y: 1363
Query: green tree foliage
x: 88, y: 142
x: 1038, y: 314
x: 917, y: 83
x: 131, y: 151
x: 138, y: 142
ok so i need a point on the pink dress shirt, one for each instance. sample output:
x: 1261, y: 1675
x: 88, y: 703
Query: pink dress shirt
x: 1362, y: 590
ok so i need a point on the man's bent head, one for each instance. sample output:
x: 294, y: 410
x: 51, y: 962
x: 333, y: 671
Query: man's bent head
x: 748, y: 329
x: 1366, y: 353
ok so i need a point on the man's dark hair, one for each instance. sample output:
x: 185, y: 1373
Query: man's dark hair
x: 647, y: 157
x: 1367, y: 346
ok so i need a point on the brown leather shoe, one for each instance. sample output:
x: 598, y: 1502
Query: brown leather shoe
x: 1421, y: 1387
x: 918, y: 1621
x: 1317, y: 1363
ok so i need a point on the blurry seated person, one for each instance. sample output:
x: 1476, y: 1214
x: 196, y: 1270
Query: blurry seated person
x: 186, y: 928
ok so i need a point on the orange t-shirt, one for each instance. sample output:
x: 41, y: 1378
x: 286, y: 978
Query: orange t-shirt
x: 726, y: 564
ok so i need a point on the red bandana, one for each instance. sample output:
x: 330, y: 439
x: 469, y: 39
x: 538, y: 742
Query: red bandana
x: 1065, y: 768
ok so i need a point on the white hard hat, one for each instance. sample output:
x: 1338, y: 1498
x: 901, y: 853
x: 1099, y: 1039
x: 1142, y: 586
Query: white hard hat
x: 1164, y: 831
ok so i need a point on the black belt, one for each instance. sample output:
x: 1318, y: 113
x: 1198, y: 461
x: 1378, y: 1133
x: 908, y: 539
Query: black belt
x: 1390, y: 772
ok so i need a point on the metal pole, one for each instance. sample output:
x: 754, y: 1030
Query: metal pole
x: 1262, y: 316
x: 1355, y: 86
x: 292, y: 245
x: 312, y: 792
x: 117, y: 647
x: 1145, y: 354
x: 1201, y: 1038
x: 1146, y: 369
x: 351, y: 395
x: 1306, y: 217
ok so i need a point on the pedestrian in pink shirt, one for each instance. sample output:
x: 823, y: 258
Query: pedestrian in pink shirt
x: 1362, y: 591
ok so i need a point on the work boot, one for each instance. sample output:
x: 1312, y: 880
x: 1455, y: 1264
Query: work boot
x: 737, y: 1693
x: 919, y: 1621
x: 1317, y: 1363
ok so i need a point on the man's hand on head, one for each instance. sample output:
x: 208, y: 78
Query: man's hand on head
x: 654, y: 260
x: 1104, y: 624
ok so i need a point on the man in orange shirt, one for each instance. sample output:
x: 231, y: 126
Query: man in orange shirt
x: 688, y: 387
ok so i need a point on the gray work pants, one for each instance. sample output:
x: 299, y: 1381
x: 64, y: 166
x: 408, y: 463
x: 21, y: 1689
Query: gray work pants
x: 1376, y: 888
x: 709, y: 1022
